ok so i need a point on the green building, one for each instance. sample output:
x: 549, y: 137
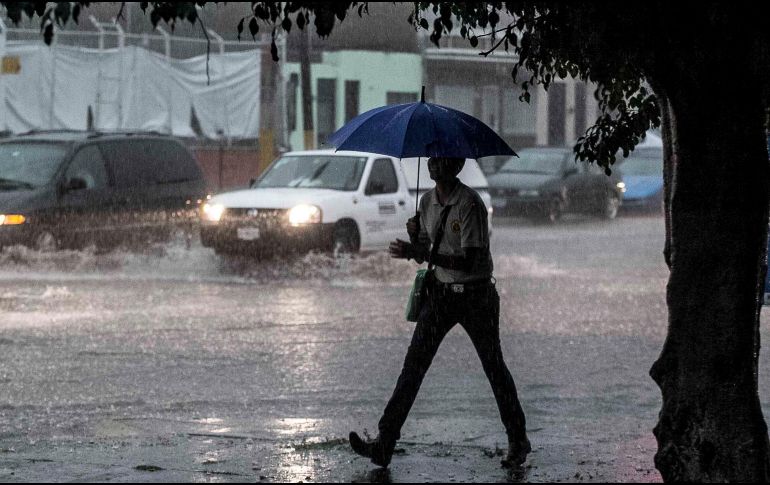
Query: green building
x: 346, y: 83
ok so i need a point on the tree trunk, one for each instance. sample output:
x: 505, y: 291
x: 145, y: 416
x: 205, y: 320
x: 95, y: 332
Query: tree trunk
x: 711, y: 426
x: 666, y: 116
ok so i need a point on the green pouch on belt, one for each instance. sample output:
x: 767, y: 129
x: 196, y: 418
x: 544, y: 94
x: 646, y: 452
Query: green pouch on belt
x: 422, y: 278
x: 417, y: 295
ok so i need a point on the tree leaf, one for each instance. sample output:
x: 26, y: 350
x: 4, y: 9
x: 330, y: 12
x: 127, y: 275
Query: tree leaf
x: 240, y: 27
x: 474, y: 41
x: 286, y: 24
x: 253, y: 27
x: 424, y: 23
x: 494, y: 18
x: 13, y: 10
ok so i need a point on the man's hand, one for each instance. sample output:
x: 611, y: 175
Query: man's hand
x: 399, y: 249
x: 413, y: 227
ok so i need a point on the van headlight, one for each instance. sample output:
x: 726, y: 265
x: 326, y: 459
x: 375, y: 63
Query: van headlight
x: 212, y: 212
x: 304, y: 214
x: 621, y: 186
x: 12, y: 219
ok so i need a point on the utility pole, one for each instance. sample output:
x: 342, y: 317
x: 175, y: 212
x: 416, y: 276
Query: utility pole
x: 307, y: 95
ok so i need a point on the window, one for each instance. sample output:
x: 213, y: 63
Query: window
x: 490, y: 105
x: 535, y: 161
x: 461, y: 98
x: 518, y: 117
x: 397, y: 97
x: 336, y: 172
x: 291, y: 102
x: 557, y: 98
x: 382, y: 179
x: 27, y: 165
x: 327, y: 108
x: 146, y: 162
x: 351, y: 99
x: 88, y: 165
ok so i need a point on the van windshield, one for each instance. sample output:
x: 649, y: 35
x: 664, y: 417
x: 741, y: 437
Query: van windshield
x: 29, y: 165
x: 534, y: 162
x: 314, y: 171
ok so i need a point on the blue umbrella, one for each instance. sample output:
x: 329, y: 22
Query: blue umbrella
x: 419, y: 130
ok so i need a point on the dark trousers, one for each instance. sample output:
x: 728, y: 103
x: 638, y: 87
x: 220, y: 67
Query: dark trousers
x: 478, y: 312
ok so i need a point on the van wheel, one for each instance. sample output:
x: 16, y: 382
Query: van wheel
x: 46, y: 242
x: 346, y: 238
x: 611, y: 206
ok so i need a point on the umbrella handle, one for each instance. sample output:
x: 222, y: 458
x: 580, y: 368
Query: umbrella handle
x: 414, y: 239
x: 417, y: 195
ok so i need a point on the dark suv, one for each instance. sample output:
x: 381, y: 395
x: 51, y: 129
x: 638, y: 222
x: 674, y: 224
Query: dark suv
x: 547, y: 182
x: 73, y: 189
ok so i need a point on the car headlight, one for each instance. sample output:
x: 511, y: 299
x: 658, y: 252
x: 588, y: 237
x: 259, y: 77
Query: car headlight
x: 212, y: 212
x: 621, y: 186
x: 12, y: 219
x: 304, y: 214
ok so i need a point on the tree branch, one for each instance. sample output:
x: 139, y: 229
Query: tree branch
x: 208, y: 51
x: 494, y: 48
x: 120, y: 12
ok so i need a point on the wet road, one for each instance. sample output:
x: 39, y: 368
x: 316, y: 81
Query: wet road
x: 176, y: 365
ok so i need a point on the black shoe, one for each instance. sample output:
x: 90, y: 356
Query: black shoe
x: 517, y: 453
x: 378, y: 450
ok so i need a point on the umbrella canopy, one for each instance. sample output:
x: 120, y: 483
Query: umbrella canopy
x: 419, y: 130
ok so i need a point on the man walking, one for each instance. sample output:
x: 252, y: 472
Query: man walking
x: 461, y: 291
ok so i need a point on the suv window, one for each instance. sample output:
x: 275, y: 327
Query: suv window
x: 140, y: 162
x: 382, y: 179
x: 28, y: 165
x: 88, y: 165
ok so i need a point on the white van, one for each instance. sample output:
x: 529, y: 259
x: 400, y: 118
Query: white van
x: 321, y: 199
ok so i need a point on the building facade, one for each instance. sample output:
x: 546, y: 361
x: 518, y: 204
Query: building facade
x: 346, y: 83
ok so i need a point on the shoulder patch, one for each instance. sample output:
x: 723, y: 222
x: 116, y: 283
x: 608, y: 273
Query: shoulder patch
x: 455, y: 226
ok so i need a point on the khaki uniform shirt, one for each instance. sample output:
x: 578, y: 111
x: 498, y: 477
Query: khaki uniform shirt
x: 466, y: 227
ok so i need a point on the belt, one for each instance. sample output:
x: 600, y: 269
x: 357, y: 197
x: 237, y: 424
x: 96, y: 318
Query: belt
x: 462, y: 288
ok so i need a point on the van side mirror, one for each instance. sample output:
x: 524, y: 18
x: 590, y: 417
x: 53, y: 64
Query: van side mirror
x: 75, y: 183
x: 252, y: 181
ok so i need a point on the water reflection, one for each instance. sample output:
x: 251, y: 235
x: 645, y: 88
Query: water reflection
x: 378, y: 475
x: 296, y: 426
x: 518, y: 475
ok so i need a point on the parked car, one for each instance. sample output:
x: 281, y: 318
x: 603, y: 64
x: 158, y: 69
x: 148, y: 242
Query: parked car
x: 71, y: 189
x: 642, y: 174
x: 547, y: 182
x: 336, y: 201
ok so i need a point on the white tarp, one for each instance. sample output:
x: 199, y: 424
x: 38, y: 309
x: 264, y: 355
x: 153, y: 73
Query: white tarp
x: 137, y: 89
